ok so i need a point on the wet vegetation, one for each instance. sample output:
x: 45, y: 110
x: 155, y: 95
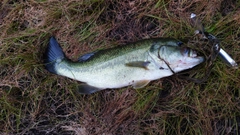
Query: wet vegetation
x: 33, y: 101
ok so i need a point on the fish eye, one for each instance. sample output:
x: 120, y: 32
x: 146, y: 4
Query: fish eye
x: 179, y: 43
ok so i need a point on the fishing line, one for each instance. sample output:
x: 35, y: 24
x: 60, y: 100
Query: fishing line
x: 164, y: 60
x: 210, y: 58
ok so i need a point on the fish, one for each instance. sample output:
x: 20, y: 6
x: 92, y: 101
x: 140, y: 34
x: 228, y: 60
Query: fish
x: 134, y: 64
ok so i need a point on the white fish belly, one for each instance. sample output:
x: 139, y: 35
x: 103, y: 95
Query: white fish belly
x: 125, y: 77
x: 114, y: 73
x: 116, y: 76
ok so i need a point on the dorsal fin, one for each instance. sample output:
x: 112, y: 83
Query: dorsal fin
x: 86, y: 57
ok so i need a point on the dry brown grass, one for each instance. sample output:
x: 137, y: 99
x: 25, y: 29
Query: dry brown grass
x: 33, y: 101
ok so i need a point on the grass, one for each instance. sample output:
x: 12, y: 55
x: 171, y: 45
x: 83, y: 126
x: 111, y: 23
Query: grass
x: 33, y: 101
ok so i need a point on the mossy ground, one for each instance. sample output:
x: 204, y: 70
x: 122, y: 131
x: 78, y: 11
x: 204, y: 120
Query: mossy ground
x: 33, y: 101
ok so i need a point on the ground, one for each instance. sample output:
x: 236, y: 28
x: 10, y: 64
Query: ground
x: 203, y: 100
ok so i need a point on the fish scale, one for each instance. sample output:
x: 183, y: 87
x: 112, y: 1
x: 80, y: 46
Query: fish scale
x: 133, y: 64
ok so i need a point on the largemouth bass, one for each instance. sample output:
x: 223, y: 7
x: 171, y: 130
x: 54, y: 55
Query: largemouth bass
x: 135, y: 64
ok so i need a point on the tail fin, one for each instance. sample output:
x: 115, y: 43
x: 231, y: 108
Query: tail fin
x: 52, y: 55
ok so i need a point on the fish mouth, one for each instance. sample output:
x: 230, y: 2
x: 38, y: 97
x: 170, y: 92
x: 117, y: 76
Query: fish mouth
x: 195, y: 55
x: 195, y: 59
x: 188, y: 52
x: 192, y: 56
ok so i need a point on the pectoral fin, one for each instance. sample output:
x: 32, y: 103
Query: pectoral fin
x: 87, y: 89
x: 140, y: 84
x: 140, y: 64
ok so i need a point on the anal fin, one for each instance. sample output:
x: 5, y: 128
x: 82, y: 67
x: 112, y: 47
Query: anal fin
x: 140, y: 84
x: 87, y: 89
